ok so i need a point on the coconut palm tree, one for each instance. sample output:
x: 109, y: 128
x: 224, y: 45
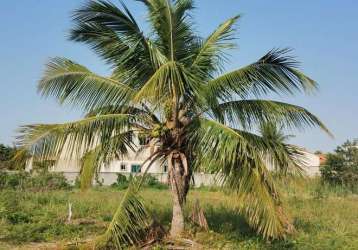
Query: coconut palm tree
x: 272, y: 132
x: 169, y: 85
x: 286, y: 159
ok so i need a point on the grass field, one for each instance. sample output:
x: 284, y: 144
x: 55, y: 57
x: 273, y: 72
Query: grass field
x: 325, y: 218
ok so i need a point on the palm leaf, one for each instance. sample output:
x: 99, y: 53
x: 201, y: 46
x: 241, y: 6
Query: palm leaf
x: 210, y: 56
x: 171, y: 26
x: 73, y: 83
x: 73, y: 138
x: 163, y: 85
x: 284, y: 159
x: 225, y: 151
x: 92, y: 161
x: 114, y: 34
x: 130, y: 222
x: 274, y: 72
x: 250, y: 113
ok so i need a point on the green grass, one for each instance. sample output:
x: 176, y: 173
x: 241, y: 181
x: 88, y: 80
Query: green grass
x: 325, y: 218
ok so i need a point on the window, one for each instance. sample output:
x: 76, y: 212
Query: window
x: 123, y: 167
x: 165, y: 168
x: 135, y: 168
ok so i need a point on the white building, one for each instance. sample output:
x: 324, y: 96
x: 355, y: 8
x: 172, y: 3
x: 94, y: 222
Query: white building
x: 132, y: 164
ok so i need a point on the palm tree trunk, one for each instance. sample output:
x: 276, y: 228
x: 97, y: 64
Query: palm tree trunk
x: 177, y: 226
x: 179, y: 184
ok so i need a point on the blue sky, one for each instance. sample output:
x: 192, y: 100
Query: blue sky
x: 323, y: 33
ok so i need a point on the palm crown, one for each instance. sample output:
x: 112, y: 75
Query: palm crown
x: 169, y: 86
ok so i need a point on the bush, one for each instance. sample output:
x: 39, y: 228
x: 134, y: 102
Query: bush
x: 6, y: 154
x: 48, y: 181
x: 122, y: 182
x: 10, y: 208
x: 13, y: 180
x: 341, y: 167
x: 37, y: 182
x: 150, y: 181
x: 153, y: 182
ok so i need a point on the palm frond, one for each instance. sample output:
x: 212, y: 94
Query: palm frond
x: 182, y: 7
x: 272, y: 131
x: 148, y: 117
x: 72, y: 83
x: 171, y: 26
x: 114, y: 34
x: 130, y: 222
x: 73, y: 138
x: 107, y: 15
x: 284, y: 159
x: 163, y: 85
x: 92, y: 161
x: 223, y: 150
x: 110, y: 30
x: 20, y: 159
x: 211, y: 54
x: 275, y: 72
x: 250, y: 113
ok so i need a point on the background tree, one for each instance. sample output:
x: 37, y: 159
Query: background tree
x: 6, y: 154
x: 286, y: 159
x: 341, y: 167
x: 169, y: 84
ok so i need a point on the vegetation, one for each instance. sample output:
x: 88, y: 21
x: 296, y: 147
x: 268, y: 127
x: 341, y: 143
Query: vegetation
x: 6, y: 154
x: 324, y: 216
x: 341, y: 167
x: 169, y: 86
x: 37, y: 182
x: 150, y: 181
x: 283, y: 164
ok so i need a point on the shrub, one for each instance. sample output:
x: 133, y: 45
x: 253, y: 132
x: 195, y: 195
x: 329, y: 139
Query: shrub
x: 150, y: 181
x: 153, y: 182
x: 18, y: 217
x: 48, y: 181
x: 13, y: 179
x: 6, y: 154
x: 341, y: 167
x: 37, y: 182
x: 122, y: 182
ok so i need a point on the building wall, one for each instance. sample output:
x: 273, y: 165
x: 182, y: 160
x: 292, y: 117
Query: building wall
x: 108, y: 178
x: 108, y: 174
x: 312, y: 165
